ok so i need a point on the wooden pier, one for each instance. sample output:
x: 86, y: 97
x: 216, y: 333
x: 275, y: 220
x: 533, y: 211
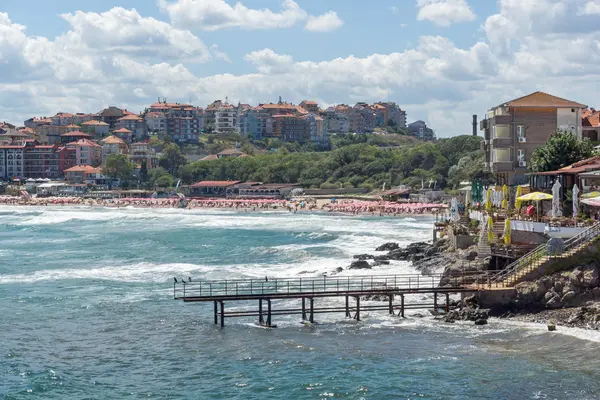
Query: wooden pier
x: 309, y: 290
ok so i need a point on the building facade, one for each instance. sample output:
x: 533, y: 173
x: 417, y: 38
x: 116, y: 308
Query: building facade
x: 513, y: 130
x: 11, y: 162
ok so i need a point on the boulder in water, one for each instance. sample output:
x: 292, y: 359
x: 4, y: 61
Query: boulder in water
x: 361, y: 264
x: 388, y: 247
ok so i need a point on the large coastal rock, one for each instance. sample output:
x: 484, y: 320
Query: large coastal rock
x: 361, y: 264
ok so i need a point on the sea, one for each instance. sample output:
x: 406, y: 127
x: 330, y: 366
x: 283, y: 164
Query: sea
x: 87, y: 312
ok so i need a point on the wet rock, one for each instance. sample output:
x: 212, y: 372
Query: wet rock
x: 481, y: 322
x: 381, y: 258
x: 381, y: 262
x: 339, y: 269
x: 362, y: 257
x: 596, y: 291
x: 554, y: 301
x: 567, y: 297
x: 360, y: 265
x: 388, y: 247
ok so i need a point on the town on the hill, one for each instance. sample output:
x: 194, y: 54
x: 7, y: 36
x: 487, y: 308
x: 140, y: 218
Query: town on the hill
x: 75, y: 145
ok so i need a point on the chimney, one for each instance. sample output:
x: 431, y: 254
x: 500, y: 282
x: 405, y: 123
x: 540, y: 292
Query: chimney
x: 474, y: 125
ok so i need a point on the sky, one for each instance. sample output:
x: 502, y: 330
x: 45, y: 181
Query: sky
x: 440, y: 60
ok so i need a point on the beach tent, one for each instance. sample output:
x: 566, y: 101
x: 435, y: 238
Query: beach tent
x: 595, y: 202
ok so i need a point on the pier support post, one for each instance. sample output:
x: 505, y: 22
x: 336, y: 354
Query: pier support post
x: 348, y: 307
x: 447, y: 308
x: 435, y: 304
x: 303, y: 309
x: 312, y: 310
x: 357, y: 316
x: 222, y: 314
x: 401, y: 313
x: 261, y: 320
x: 216, y: 313
x: 269, y: 312
x: 390, y: 305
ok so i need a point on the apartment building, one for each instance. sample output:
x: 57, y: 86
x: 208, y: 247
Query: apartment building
x: 590, y: 124
x: 310, y: 106
x: 140, y: 152
x: 514, y: 129
x: 137, y: 126
x: 96, y: 128
x: 361, y: 118
x: 86, y: 152
x: 336, y: 121
x: 226, y: 119
x: 183, y: 122
x: 113, y: 145
x: 256, y: 122
x: 291, y: 128
x: 11, y: 162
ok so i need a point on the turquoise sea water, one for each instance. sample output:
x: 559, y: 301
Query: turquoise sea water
x: 86, y: 312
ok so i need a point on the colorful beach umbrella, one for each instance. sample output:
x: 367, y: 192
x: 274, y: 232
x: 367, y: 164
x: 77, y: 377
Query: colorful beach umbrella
x: 490, y: 229
x: 517, y: 195
x: 507, y: 232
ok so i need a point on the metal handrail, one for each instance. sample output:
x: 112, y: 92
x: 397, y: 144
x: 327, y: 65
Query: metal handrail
x: 532, y: 258
x: 318, y: 285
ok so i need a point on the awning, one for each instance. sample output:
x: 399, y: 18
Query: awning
x: 595, y: 202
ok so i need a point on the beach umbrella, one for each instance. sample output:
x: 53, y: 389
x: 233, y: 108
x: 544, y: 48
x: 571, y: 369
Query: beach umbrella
x: 535, y: 196
x: 467, y: 197
x: 590, y: 195
x: 575, y: 201
x: 488, y: 200
x: 556, y: 209
x: 507, y: 232
x: 505, y: 197
x: 517, y: 195
x: 490, y: 229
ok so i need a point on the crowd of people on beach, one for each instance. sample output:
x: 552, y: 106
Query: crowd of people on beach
x: 383, y: 207
x: 346, y: 206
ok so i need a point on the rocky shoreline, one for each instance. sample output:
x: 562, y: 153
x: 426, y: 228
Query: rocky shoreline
x: 569, y: 298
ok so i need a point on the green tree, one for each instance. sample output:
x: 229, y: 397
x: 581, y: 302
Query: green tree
x: 144, y: 171
x: 562, y: 148
x: 172, y: 158
x: 164, y: 181
x: 118, y: 166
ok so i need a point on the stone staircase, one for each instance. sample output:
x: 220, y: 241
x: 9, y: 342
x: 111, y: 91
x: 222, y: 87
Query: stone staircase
x: 540, y: 257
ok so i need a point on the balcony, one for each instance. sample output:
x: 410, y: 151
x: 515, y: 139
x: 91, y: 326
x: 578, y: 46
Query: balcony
x: 501, y: 142
x: 502, y: 166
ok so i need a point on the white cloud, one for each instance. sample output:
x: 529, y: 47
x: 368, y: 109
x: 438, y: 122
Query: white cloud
x: 535, y: 45
x: 324, y: 23
x: 592, y: 7
x: 212, y: 15
x: 218, y: 54
x: 445, y: 12
x: 127, y: 32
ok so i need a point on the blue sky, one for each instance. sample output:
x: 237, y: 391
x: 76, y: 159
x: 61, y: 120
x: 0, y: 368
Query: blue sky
x: 441, y: 60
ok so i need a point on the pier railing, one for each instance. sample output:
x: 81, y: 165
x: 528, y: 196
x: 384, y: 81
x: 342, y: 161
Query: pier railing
x: 320, y: 286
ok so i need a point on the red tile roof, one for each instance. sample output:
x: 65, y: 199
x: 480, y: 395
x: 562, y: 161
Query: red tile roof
x: 113, y: 140
x: 541, y: 99
x: 88, y: 169
x: 592, y: 119
x: 215, y: 184
x: 94, y: 122
x: 84, y: 142
x: 76, y: 134
x: 122, y: 130
x: 211, y: 157
x: 131, y: 117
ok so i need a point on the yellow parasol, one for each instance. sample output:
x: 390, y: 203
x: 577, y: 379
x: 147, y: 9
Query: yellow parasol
x: 507, y: 232
x: 488, y: 200
x: 590, y: 195
x: 535, y: 196
x: 517, y: 195
x: 490, y: 229
x: 505, y: 197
